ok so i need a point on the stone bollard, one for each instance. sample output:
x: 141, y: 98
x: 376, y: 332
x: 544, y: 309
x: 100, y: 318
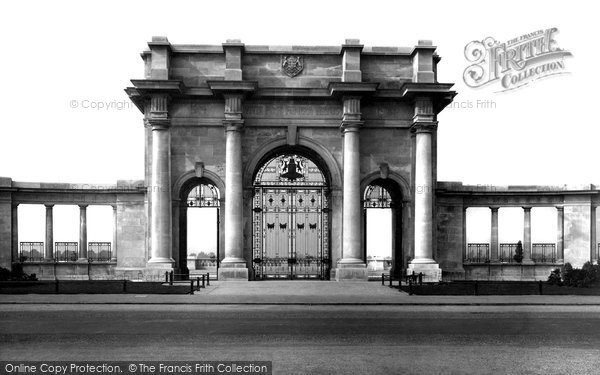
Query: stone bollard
x: 203, y: 277
x: 383, y: 279
x: 208, y: 279
x: 191, y: 286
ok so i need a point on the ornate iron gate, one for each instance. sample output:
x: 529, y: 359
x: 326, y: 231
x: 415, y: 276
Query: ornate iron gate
x: 291, y: 221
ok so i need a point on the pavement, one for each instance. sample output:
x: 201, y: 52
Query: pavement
x: 325, y: 293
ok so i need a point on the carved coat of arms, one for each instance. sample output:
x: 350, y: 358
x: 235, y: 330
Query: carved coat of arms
x: 292, y: 65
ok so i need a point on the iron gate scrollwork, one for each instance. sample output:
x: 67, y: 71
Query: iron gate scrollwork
x: 290, y: 220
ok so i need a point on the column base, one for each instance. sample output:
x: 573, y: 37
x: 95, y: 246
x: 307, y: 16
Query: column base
x: 232, y: 269
x: 232, y: 272
x: 351, y: 271
x: 432, y: 273
x: 158, y: 266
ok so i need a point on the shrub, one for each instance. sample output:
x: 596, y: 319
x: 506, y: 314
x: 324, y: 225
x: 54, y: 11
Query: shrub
x: 16, y: 274
x: 518, y: 257
x: 586, y: 276
x: 554, y: 278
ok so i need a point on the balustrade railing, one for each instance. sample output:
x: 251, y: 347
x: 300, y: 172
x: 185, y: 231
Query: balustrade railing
x: 543, y: 252
x: 65, y: 251
x: 507, y: 252
x: 99, y: 251
x: 478, y: 253
x: 31, y: 251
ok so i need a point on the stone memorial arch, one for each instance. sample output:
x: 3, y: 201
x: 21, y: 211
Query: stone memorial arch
x: 288, y: 150
x: 289, y: 136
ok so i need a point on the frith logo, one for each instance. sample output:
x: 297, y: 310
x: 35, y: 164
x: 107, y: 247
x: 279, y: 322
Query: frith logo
x: 515, y: 63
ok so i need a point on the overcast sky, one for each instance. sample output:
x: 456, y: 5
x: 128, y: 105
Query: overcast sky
x: 57, y: 53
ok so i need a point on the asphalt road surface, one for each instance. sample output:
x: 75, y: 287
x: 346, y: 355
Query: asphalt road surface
x: 315, y: 339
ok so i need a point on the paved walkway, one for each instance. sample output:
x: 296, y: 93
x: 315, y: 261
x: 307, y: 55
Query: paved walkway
x: 296, y: 293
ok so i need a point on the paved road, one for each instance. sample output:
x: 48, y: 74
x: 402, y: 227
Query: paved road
x: 317, y: 339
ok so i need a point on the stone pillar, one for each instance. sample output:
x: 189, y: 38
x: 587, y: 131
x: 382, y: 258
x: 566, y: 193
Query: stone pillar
x: 593, y: 238
x: 464, y: 233
x: 14, y: 232
x: 233, y: 265
x: 113, y: 250
x: 494, y: 248
x: 424, y: 125
x: 527, y: 235
x: 351, y: 266
x: 160, y: 186
x: 560, y: 234
x: 49, y: 250
x: 83, y: 254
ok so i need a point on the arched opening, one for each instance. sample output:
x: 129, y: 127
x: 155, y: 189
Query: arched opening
x: 291, y: 217
x: 382, y: 219
x: 199, y: 227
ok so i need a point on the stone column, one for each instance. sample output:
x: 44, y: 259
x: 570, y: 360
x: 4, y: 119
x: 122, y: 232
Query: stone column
x: 49, y: 250
x: 160, y: 186
x: 15, y: 232
x: 233, y: 265
x: 351, y: 266
x: 464, y: 233
x: 83, y: 254
x: 424, y: 125
x: 560, y: 234
x: 527, y: 235
x: 113, y: 252
x: 494, y: 248
x: 593, y: 238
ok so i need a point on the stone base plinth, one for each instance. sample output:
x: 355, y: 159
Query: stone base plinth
x: 432, y: 273
x: 158, y: 267
x: 229, y: 272
x: 351, y: 272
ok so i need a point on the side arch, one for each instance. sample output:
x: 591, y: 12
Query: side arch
x: 393, y: 176
x: 179, y: 190
x: 190, y: 179
x: 399, y: 189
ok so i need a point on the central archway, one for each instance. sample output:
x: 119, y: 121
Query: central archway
x: 291, y: 223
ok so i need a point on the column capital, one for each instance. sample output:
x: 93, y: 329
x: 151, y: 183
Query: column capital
x: 233, y: 125
x: 348, y: 126
x: 157, y: 123
x: 424, y: 127
x: 494, y: 208
x: 83, y: 206
x: 48, y: 205
x: 559, y: 207
x: 14, y: 204
x: 526, y: 208
x: 114, y: 207
x: 159, y: 106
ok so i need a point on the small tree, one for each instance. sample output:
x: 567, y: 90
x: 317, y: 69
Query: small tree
x: 518, y: 257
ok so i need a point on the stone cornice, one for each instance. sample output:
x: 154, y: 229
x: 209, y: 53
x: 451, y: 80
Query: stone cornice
x: 339, y: 89
x: 440, y: 93
x: 230, y: 87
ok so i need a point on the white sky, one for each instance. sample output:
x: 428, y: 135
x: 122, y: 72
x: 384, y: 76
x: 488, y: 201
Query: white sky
x: 55, y: 53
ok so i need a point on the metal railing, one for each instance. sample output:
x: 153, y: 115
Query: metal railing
x: 478, y: 253
x: 65, y: 251
x: 543, y: 252
x: 507, y: 252
x: 99, y: 251
x: 31, y: 251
